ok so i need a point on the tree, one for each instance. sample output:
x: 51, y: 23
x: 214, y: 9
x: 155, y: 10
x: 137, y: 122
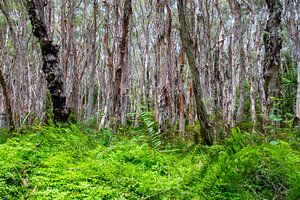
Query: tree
x: 123, y: 50
x: 7, y: 101
x: 273, y: 43
x: 90, y: 105
x: 239, y: 57
x: 293, y: 24
x: 6, y: 95
x: 53, y: 73
x: 188, y: 45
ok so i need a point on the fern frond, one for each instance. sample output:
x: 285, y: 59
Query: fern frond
x: 148, y: 119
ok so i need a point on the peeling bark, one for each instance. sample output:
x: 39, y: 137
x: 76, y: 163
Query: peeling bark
x: 293, y: 24
x: 181, y: 98
x: 123, y: 50
x: 273, y: 43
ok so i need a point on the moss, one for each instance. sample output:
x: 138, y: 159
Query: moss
x: 266, y: 36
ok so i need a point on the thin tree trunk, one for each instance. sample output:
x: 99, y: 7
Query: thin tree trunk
x: 238, y: 60
x: 7, y: 101
x: 168, y: 67
x: 123, y: 45
x: 187, y: 42
x: 252, y: 70
x: 90, y: 104
x: 109, y: 107
x: 180, y: 92
x: 293, y: 24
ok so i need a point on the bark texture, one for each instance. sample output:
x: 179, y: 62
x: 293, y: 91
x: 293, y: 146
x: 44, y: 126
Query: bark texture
x: 123, y: 50
x: 273, y: 43
x: 293, y: 24
x: 239, y: 57
x: 53, y: 73
x: 188, y: 45
x: 90, y: 105
x: 7, y: 104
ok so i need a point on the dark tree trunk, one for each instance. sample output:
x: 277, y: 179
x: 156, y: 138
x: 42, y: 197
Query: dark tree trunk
x: 7, y: 104
x: 53, y: 73
x: 273, y: 43
x: 206, y: 131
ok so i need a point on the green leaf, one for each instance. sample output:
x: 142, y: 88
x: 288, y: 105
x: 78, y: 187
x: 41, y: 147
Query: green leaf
x: 273, y: 142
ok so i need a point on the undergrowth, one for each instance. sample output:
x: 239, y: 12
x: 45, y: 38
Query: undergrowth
x: 75, y: 163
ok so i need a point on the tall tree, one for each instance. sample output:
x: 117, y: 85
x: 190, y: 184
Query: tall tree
x: 3, y: 84
x: 53, y: 73
x: 293, y: 24
x: 90, y: 105
x: 239, y: 57
x: 188, y: 45
x: 123, y: 50
x: 7, y: 101
x: 180, y: 91
x: 273, y: 42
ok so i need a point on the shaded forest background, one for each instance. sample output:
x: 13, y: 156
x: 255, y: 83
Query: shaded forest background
x: 216, y: 63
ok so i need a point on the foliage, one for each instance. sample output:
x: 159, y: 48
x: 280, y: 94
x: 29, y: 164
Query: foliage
x: 242, y: 170
x: 289, y: 86
x: 154, y: 135
x: 69, y: 163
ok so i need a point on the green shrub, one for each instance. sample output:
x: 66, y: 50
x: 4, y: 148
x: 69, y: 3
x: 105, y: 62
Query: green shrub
x: 69, y: 163
x: 268, y: 171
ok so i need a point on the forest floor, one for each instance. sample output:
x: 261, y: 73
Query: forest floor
x: 73, y: 163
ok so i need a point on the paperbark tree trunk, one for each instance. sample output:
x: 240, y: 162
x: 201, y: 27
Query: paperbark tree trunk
x: 239, y: 57
x: 223, y: 79
x: 272, y: 42
x: 158, y: 87
x: 7, y: 98
x: 169, y: 66
x: 293, y: 24
x: 181, y: 98
x: 123, y: 45
x: 90, y: 104
x: 206, y: 131
x: 252, y: 70
x: 7, y: 101
x: 53, y: 73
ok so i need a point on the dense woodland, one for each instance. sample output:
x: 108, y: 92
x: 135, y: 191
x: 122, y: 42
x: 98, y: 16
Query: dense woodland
x: 206, y: 85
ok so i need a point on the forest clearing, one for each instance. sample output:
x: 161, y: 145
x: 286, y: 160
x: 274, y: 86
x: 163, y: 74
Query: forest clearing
x: 150, y: 99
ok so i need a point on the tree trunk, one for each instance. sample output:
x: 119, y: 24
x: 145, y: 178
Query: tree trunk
x: 7, y: 98
x: 235, y: 57
x: 180, y: 92
x: 239, y: 57
x: 123, y: 45
x: 252, y: 70
x: 273, y: 42
x: 7, y: 101
x: 53, y: 73
x: 188, y: 45
x: 293, y: 24
x: 91, y: 82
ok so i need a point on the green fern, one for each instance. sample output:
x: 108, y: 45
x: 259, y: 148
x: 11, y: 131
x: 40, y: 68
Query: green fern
x: 154, y: 135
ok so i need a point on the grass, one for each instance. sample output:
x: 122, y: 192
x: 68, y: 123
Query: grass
x: 68, y: 163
